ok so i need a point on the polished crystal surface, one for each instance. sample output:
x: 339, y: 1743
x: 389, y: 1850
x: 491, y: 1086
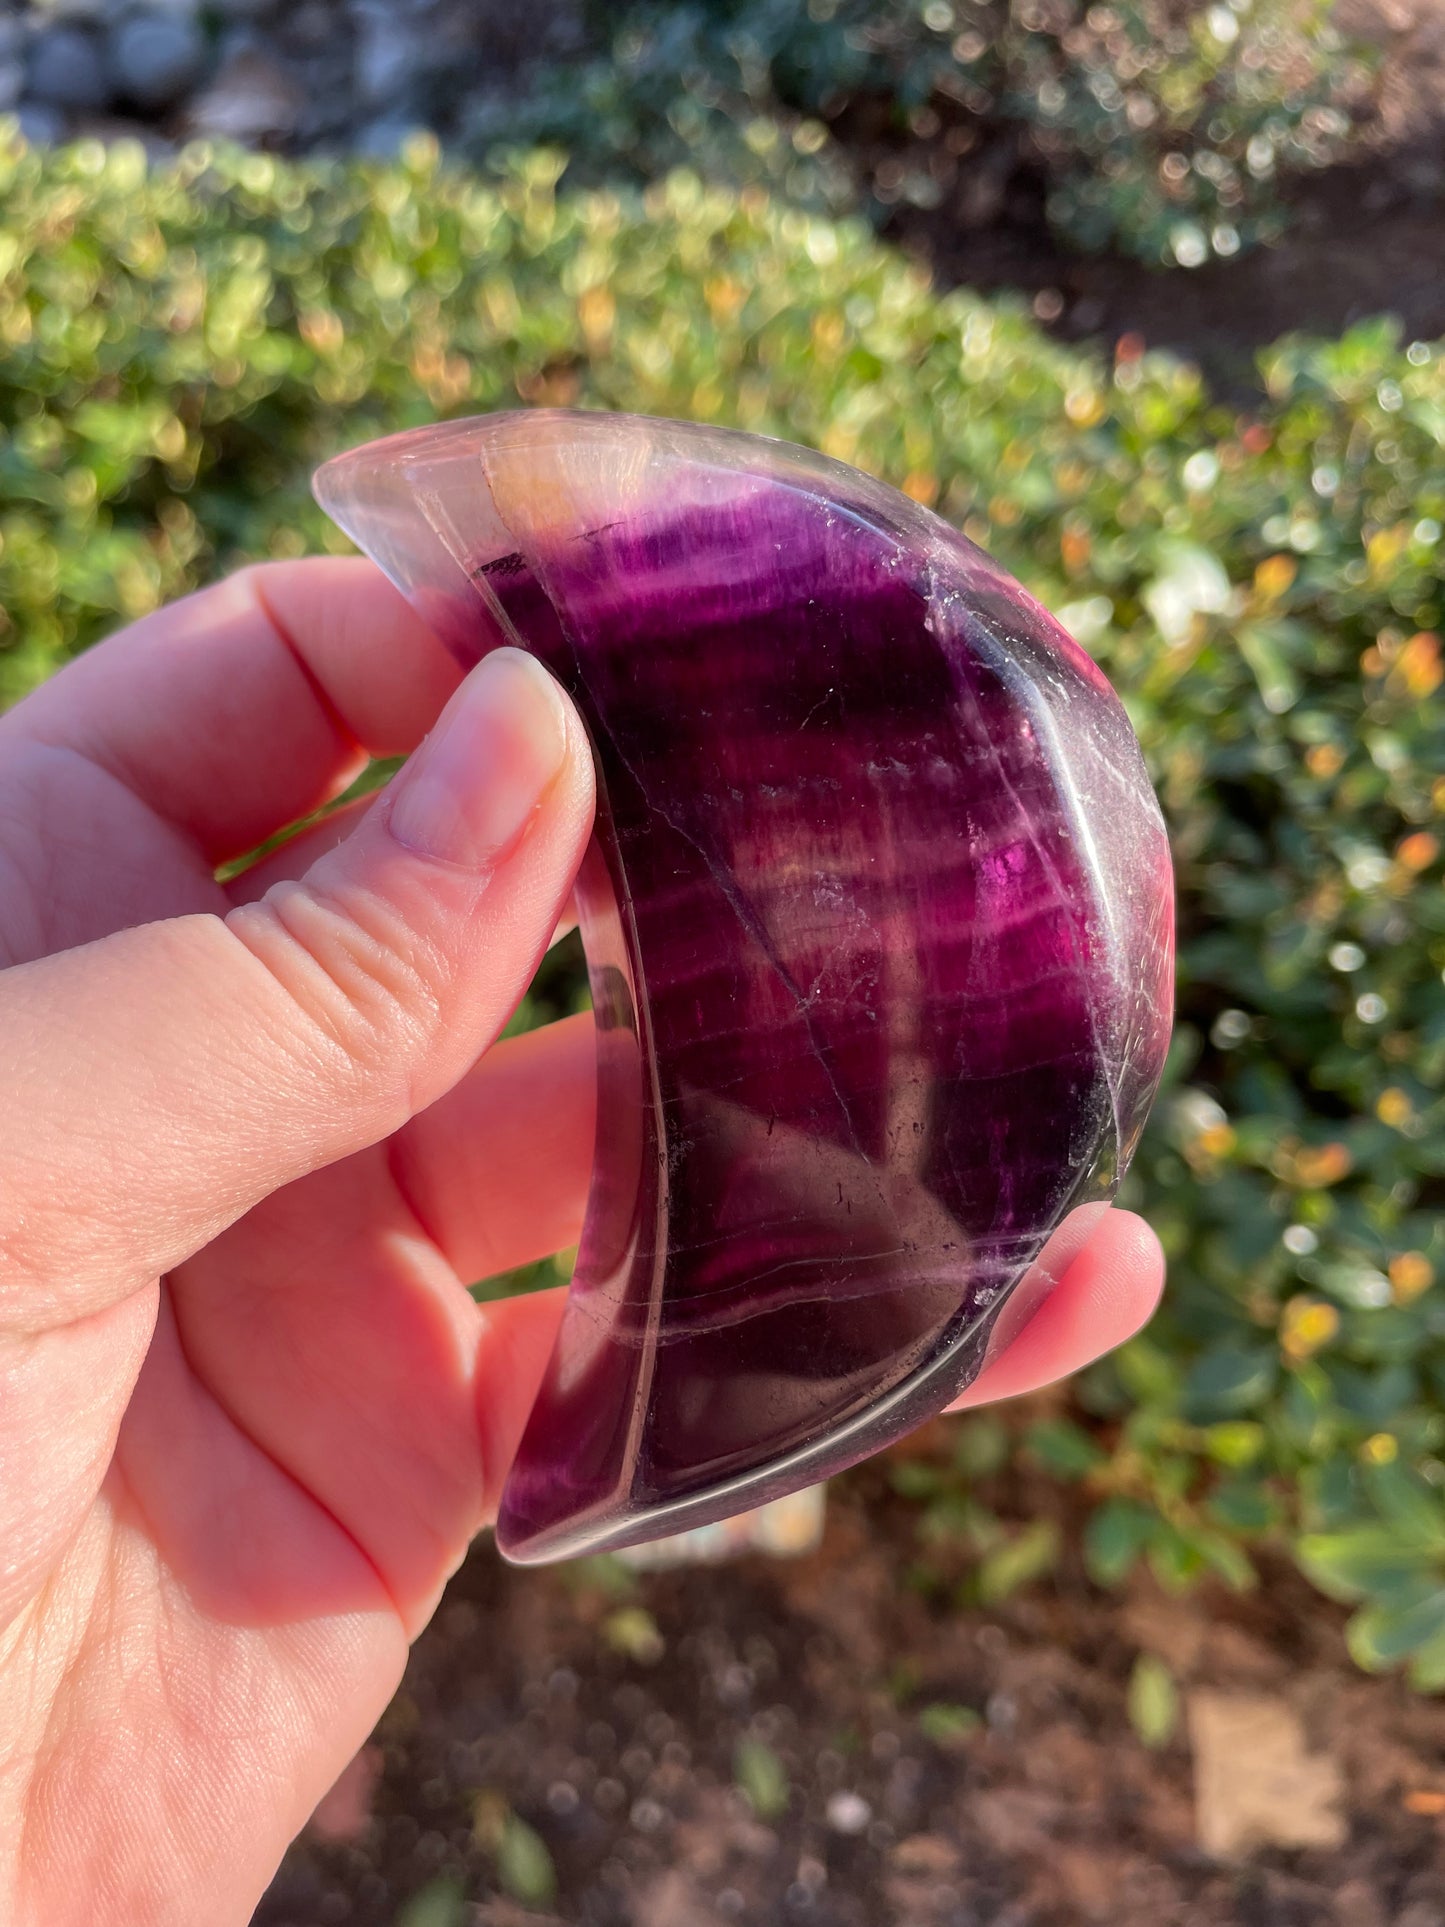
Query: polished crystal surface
x: 878, y: 917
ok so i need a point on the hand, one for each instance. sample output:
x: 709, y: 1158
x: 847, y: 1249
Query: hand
x: 250, y: 1150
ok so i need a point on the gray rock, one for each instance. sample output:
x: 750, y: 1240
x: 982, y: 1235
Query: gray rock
x: 42, y: 126
x: 387, y: 57
x: 243, y: 38
x: 250, y: 100
x: 312, y: 24
x: 155, y: 58
x: 66, y: 70
x: 330, y: 112
x: 75, y: 10
x: 152, y: 10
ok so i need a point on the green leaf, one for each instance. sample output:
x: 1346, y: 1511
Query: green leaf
x: 1153, y: 1701
x: 1427, y: 1665
x: 1176, y: 1559
x: 1220, y: 1552
x: 1307, y: 1408
x: 1064, y: 1449
x: 1328, y: 1491
x: 762, y: 1777
x: 1114, y: 1538
x: 601, y: 1572
x: 524, y: 1866
x: 1244, y: 1506
x: 440, y: 1903
x: 948, y: 1726
x: 633, y: 1632
x: 1360, y: 1561
x: 1147, y: 1372
x: 1230, y: 1380
x: 1236, y: 1443
x: 1381, y: 1636
x: 980, y: 1447
x: 955, y: 1518
x: 1025, y: 1557
x: 1264, y: 646
x: 1414, y: 1507
x: 914, y: 1479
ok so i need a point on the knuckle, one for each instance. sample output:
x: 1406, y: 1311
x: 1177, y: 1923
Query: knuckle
x: 349, y: 961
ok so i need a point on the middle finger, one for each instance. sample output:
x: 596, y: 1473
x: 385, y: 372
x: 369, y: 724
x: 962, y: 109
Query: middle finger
x: 497, y: 1172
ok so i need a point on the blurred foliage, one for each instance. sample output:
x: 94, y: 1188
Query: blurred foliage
x: 948, y: 1726
x: 181, y: 348
x: 1153, y: 1701
x: 1155, y: 126
x: 440, y: 1903
x: 633, y: 1632
x: 523, y: 1862
x: 763, y: 1777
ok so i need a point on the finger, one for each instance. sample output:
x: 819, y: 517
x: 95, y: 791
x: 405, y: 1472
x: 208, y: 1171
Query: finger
x: 1110, y: 1272
x: 248, y: 705
x: 515, y: 1344
x: 1098, y: 1285
x: 163, y: 1080
x: 336, y: 1339
x: 497, y: 1172
x: 295, y: 856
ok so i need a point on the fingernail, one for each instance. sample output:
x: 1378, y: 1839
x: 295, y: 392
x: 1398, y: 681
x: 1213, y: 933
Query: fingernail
x: 476, y: 782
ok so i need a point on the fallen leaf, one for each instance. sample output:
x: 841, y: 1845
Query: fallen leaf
x: 1255, y: 1781
x: 925, y: 1854
x: 1153, y: 1701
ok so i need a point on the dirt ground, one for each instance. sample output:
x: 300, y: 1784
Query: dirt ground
x: 1363, y: 239
x: 926, y: 1765
x: 1362, y: 242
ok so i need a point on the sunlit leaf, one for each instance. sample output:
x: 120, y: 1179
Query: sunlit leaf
x: 1153, y: 1701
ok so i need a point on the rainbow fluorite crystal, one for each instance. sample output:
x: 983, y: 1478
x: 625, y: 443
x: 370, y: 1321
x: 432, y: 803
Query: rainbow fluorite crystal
x: 878, y: 916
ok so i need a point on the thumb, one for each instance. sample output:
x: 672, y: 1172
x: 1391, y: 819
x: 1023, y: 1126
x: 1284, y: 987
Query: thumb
x: 162, y: 1081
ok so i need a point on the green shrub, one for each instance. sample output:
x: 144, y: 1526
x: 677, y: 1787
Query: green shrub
x: 1156, y: 127
x: 180, y: 349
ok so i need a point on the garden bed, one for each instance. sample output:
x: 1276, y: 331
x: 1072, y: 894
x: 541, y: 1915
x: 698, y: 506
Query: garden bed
x: 910, y: 1763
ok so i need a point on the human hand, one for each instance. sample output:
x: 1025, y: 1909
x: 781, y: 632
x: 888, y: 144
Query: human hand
x: 249, y: 1155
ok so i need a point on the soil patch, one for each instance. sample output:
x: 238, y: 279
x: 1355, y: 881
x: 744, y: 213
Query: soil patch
x: 912, y: 1763
x: 1362, y: 239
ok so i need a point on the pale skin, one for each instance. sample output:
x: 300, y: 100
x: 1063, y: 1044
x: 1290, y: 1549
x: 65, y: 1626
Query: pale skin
x: 253, y: 1145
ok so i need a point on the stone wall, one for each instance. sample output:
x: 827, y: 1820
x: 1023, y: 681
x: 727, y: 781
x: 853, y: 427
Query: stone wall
x: 293, y: 75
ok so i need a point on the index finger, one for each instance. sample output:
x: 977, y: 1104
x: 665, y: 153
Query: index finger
x: 1095, y: 1284
x: 251, y: 703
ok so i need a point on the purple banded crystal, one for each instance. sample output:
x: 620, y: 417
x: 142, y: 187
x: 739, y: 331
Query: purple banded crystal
x: 878, y: 917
